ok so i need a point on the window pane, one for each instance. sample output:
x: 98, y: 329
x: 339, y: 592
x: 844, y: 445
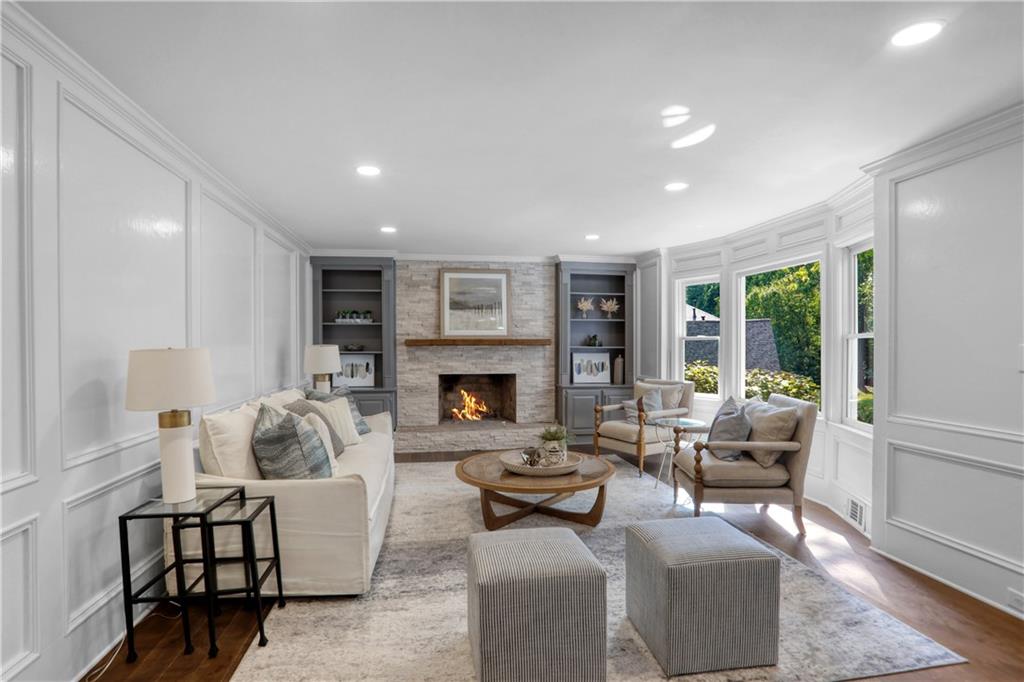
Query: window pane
x: 866, y: 291
x: 702, y: 303
x: 783, y: 333
x: 700, y: 364
x: 866, y: 380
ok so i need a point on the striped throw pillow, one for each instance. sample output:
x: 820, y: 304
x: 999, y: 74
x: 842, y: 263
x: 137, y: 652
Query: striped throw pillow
x: 288, y: 448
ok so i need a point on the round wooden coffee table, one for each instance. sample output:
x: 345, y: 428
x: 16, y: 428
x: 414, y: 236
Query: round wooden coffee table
x: 486, y: 472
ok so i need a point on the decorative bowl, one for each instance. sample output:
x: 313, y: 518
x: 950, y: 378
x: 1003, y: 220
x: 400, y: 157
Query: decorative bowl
x: 513, y: 462
x: 353, y: 347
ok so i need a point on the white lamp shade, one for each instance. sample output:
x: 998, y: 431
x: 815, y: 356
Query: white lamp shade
x: 169, y: 379
x: 324, y: 359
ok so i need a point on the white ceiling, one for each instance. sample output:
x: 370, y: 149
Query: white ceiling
x: 516, y: 129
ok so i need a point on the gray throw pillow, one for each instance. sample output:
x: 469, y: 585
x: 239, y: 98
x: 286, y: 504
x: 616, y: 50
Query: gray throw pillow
x: 362, y: 428
x: 729, y: 424
x: 286, y: 447
x: 652, y: 403
x: 302, y: 408
x: 769, y: 423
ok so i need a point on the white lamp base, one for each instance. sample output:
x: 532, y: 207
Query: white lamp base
x: 322, y: 383
x: 177, y: 466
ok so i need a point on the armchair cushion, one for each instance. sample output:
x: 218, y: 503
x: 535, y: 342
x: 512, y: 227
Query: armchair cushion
x: 651, y: 403
x: 628, y: 432
x: 670, y: 394
x: 742, y: 473
x: 729, y: 424
x: 769, y: 423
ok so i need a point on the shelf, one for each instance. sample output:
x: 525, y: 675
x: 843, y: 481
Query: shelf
x: 346, y: 324
x: 479, y: 341
x: 351, y: 291
x: 597, y: 348
x: 342, y: 351
x: 596, y: 293
x: 597, y: 319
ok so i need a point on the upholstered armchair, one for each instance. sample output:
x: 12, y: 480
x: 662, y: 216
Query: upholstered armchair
x: 620, y: 435
x: 709, y: 479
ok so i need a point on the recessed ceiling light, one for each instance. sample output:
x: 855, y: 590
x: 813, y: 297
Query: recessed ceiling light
x: 917, y: 33
x: 368, y: 171
x: 696, y: 137
x: 592, y: 237
x: 673, y: 121
x: 388, y: 229
x: 676, y: 186
x: 674, y: 110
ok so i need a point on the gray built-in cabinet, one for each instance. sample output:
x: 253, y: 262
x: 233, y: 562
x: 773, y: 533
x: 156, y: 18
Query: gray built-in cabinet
x: 366, y: 286
x: 595, y: 281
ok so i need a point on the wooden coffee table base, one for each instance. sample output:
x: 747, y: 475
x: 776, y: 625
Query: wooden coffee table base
x: 493, y: 521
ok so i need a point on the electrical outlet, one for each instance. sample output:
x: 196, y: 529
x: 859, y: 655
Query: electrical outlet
x: 1016, y: 599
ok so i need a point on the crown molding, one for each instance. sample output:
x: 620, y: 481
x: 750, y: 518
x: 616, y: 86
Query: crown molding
x: 459, y: 258
x: 1009, y: 121
x: 567, y: 258
x: 859, y: 190
x: 25, y: 27
x: 360, y: 253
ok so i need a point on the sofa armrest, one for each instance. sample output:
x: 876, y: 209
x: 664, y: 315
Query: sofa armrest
x: 610, y: 408
x: 672, y: 412
x: 784, y: 445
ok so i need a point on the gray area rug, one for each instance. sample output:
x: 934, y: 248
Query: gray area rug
x: 412, y: 624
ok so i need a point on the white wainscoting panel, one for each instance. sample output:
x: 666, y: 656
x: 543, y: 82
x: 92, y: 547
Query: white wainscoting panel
x: 17, y: 460
x: 924, y: 487
x: 278, y: 331
x: 852, y: 467
x: 20, y: 619
x: 649, y: 322
x: 89, y: 539
x: 956, y: 296
x: 122, y: 271
x: 228, y: 294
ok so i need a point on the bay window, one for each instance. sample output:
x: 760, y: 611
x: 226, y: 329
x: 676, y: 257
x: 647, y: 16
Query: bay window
x: 860, y: 338
x: 700, y: 307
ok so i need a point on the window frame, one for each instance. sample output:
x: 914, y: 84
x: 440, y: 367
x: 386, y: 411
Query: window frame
x: 851, y: 337
x: 740, y: 294
x: 680, y: 337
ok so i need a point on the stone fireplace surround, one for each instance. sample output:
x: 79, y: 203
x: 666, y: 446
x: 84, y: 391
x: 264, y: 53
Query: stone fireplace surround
x: 533, y: 308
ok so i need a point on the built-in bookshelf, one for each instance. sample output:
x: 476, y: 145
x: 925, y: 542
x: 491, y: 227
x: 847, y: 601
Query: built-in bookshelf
x: 354, y: 308
x: 583, y: 333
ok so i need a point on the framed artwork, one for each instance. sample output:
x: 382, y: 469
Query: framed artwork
x: 357, y: 369
x: 591, y: 368
x: 475, y: 303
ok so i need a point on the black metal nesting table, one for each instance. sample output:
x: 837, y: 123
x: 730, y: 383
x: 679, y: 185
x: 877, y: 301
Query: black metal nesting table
x: 212, y: 508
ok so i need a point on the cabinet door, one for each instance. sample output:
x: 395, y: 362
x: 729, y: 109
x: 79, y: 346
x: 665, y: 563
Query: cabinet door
x: 579, y: 411
x: 610, y: 396
x: 372, y: 404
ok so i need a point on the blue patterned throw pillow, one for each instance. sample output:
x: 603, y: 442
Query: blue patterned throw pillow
x: 345, y: 392
x: 287, y: 447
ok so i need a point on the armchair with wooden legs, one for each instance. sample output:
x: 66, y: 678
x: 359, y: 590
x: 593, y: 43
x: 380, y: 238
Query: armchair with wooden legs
x: 709, y: 479
x: 626, y: 437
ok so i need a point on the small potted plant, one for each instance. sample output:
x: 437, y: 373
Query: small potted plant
x: 368, y: 315
x: 554, y: 444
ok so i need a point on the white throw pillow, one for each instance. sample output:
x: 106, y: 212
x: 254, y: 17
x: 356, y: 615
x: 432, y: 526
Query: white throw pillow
x: 770, y: 424
x: 671, y: 394
x: 320, y: 426
x: 278, y: 400
x: 338, y: 414
x: 225, y: 444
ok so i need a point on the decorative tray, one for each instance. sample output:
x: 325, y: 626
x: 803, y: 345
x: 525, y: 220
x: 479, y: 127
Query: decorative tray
x: 513, y: 462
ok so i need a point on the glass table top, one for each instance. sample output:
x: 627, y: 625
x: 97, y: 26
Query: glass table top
x: 206, y: 500
x: 679, y: 421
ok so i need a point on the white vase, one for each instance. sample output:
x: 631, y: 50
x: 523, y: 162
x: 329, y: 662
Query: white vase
x: 554, y: 452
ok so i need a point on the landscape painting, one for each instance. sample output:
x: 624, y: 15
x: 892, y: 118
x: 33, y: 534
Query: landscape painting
x: 474, y: 303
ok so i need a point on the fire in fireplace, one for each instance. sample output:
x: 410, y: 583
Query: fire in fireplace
x: 475, y: 397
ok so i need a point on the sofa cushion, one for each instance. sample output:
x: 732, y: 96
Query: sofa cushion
x: 729, y: 424
x: 286, y: 447
x: 628, y: 432
x: 769, y: 423
x: 338, y: 415
x: 371, y: 459
x: 345, y: 392
x: 743, y: 473
x: 324, y: 432
x: 307, y: 407
x: 279, y: 399
x: 671, y: 393
x: 225, y: 444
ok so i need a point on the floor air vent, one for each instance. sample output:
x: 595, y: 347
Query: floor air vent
x: 855, y: 512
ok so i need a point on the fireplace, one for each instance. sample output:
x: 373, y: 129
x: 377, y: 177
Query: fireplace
x: 476, y: 397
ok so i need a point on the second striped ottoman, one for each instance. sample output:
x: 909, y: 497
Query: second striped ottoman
x: 536, y: 607
x: 703, y: 595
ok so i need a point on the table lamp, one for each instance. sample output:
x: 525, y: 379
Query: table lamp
x: 321, y: 362
x: 166, y: 380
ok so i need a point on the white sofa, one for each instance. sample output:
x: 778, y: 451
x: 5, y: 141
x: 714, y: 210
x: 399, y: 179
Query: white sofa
x: 330, y: 530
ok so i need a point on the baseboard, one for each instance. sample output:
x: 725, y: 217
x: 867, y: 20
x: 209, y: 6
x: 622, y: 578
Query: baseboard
x: 985, y: 600
x: 107, y: 649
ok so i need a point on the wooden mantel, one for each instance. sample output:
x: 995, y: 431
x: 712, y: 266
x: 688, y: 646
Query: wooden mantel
x: 480, y: 341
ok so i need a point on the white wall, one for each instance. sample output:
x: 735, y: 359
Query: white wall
x: 650, y: 320
x: 949, y: 434
x: 115, y: 236
x: 840, y: 465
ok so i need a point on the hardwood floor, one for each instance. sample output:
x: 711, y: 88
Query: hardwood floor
x: 991, y: 640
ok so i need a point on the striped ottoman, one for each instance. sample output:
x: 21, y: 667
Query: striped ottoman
x: 536, y: 606
x: 702, y: 594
